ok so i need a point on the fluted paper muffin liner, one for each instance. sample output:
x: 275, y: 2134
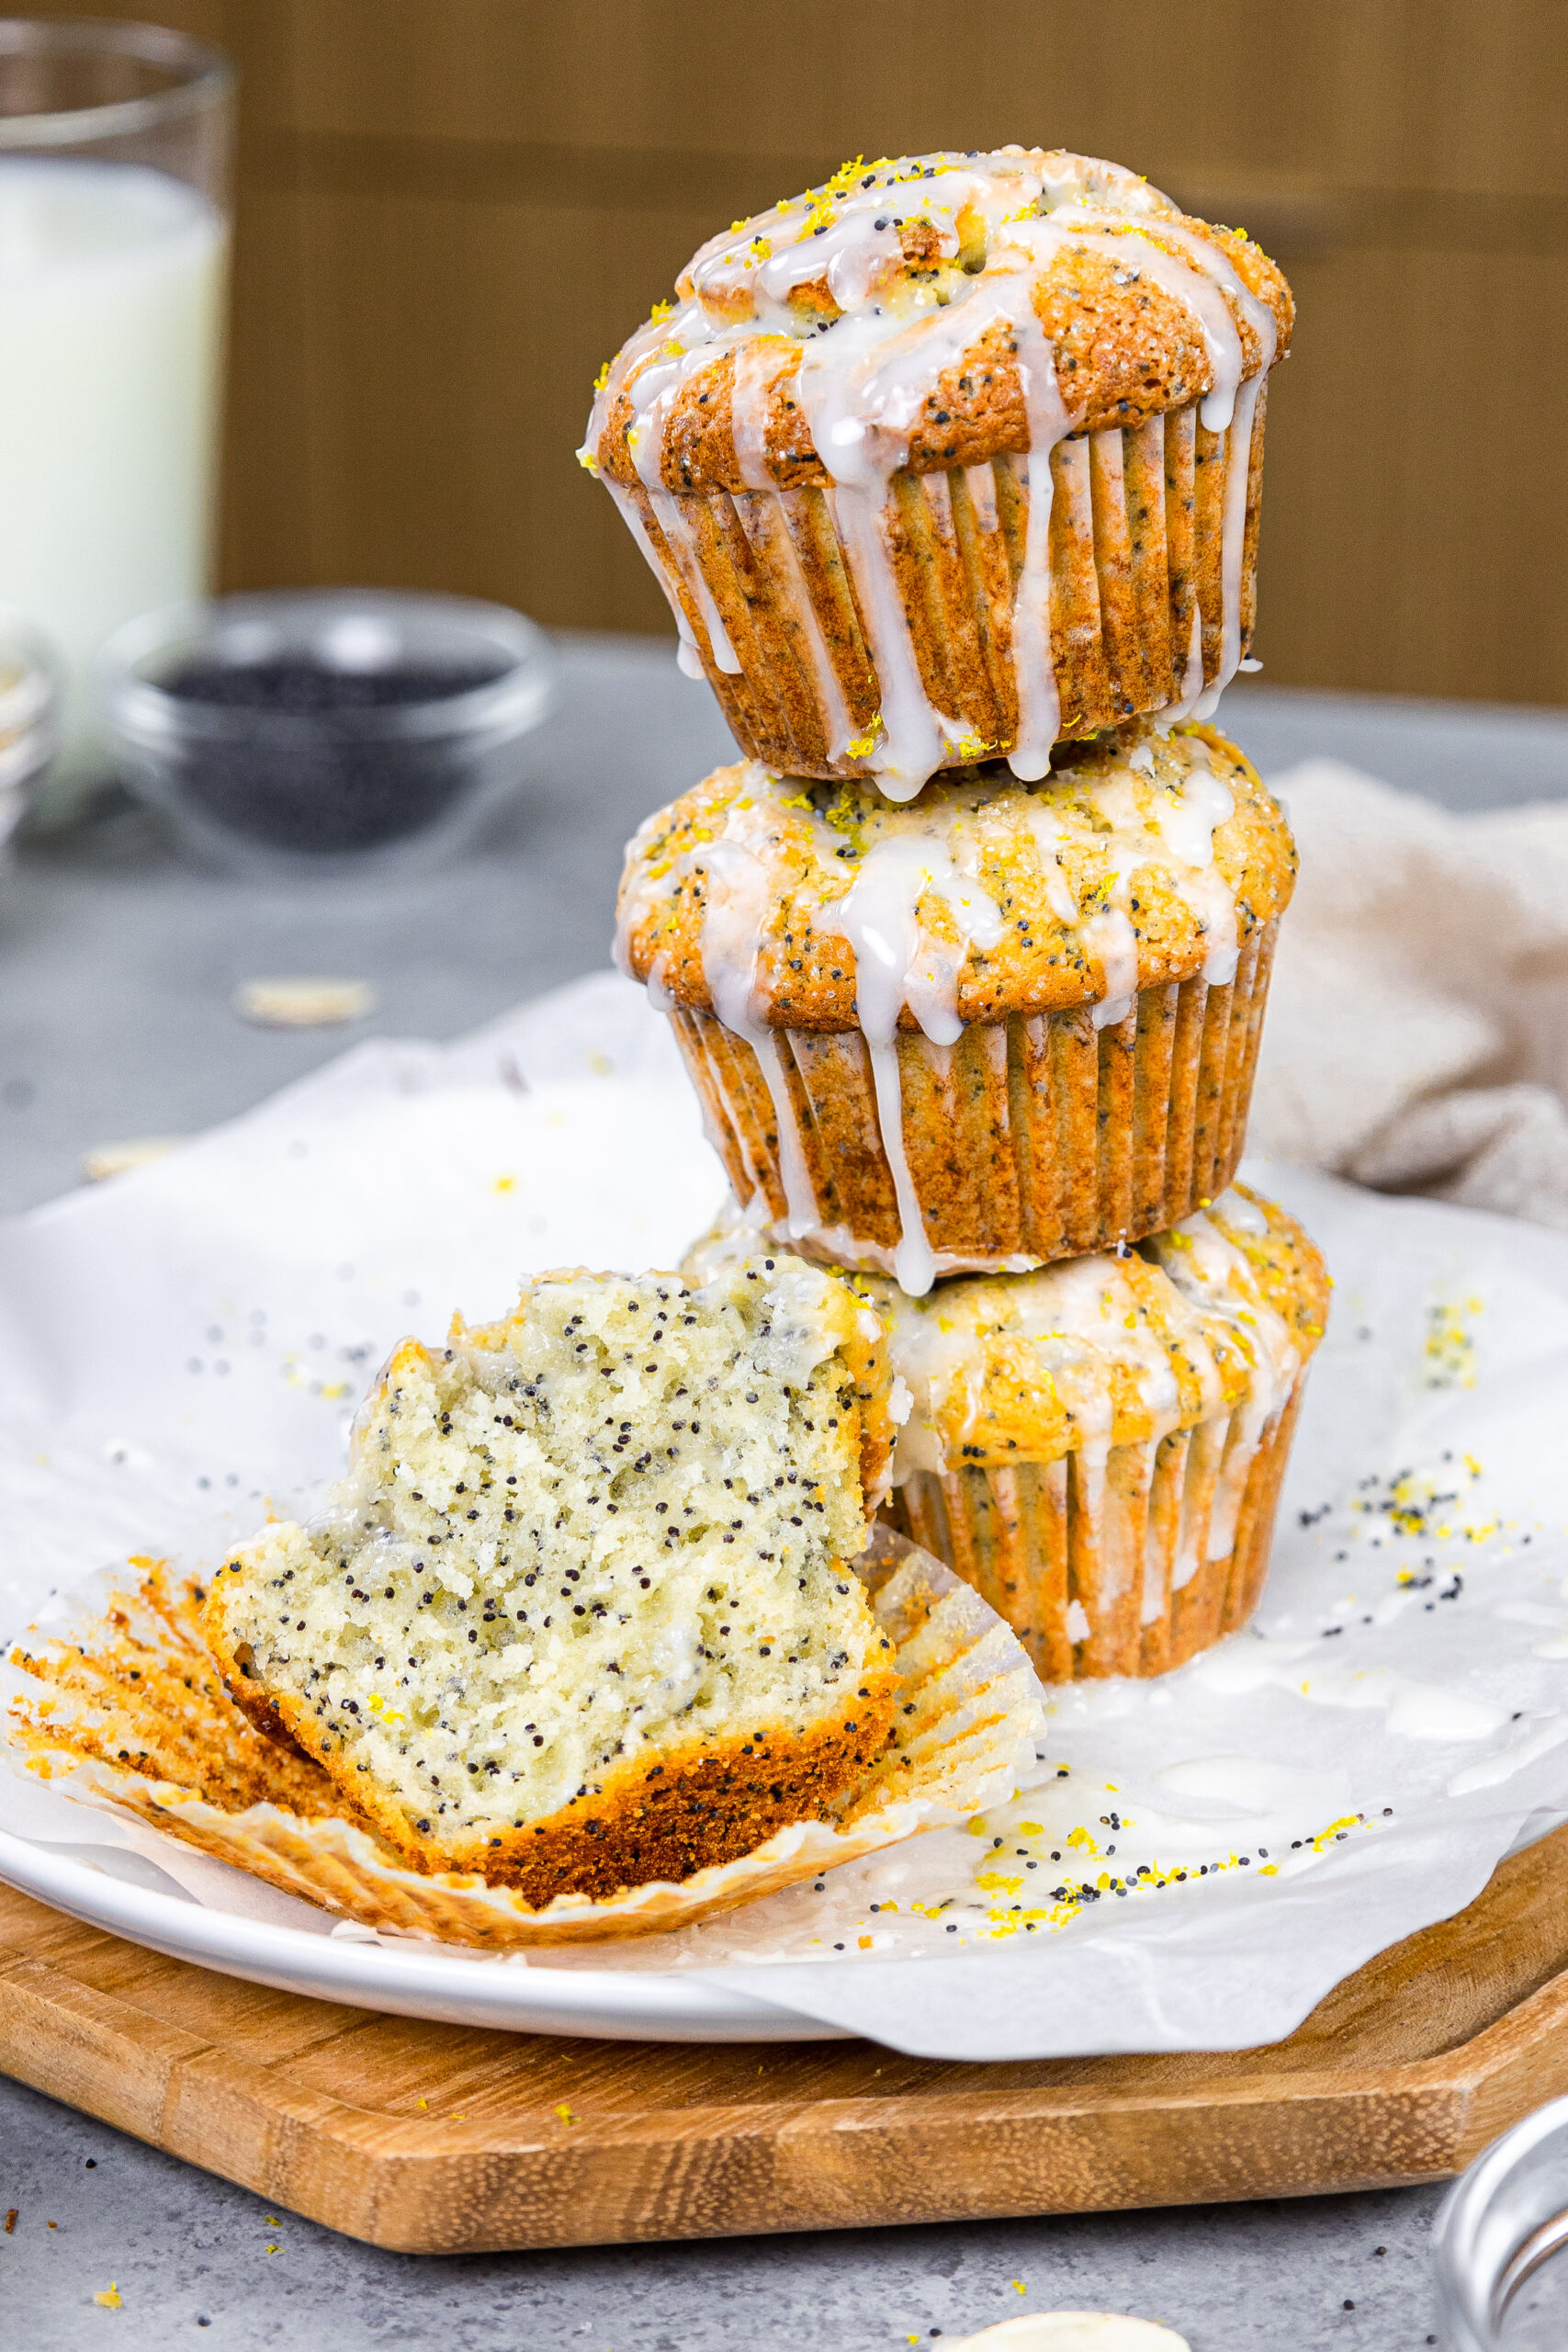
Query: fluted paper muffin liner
x: 1152, y: 591
x: 122, y: 1707
x: 1128, y: 1564
x: 1032, y: 1138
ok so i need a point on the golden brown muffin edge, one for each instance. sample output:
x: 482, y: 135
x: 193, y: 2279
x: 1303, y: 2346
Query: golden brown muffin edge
x: 1123, y: 353
x: 806, y: 975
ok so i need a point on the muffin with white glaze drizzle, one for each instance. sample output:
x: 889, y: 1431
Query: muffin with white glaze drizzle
x: 1098, y: 1447
x: 1006, y: 1025
x: 825, y: 449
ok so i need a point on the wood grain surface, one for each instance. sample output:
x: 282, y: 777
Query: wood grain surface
x: 435, y: 2139
x: 449, y: 216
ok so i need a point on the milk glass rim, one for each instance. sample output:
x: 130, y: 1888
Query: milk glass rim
x: 1474, y: 2286
x: 207, y: 78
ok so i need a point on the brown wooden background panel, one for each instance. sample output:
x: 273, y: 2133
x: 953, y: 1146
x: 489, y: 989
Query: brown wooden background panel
x: 1413, y: 532
x: 1372, y: 92
x: 467, y: 480
x: 448, y: 217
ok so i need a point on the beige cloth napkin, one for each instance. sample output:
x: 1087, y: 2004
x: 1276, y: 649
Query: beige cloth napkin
x: 1417, y: 1030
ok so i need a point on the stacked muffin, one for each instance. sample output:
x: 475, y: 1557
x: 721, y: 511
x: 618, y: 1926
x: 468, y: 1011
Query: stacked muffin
x: 950, y: 472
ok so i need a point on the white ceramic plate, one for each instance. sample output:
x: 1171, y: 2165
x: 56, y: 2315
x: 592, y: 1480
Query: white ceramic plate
x: 405, y: 1979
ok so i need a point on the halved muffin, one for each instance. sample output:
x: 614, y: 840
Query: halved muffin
x: 582, y: 1615
x: 1004, y: 1025
x: 954, y: 455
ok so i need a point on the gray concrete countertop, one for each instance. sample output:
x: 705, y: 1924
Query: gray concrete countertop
x: 117, y: 969
x: 1329, y: 2274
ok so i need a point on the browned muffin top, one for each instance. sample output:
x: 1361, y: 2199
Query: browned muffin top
x: 1143, y: 858
x: 935, y: 311
x: 1221, y: 1311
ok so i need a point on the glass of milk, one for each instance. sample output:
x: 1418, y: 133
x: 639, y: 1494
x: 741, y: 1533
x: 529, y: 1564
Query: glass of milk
x: 115, y: 142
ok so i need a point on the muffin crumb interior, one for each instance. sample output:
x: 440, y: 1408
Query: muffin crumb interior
x: 607, y: 1533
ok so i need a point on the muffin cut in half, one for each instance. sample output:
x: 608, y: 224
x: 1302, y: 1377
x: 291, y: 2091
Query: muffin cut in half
x: 956, y: 455
x: 1098, y: 1447
x: 582, y: 1616
x: 1005, y: 1024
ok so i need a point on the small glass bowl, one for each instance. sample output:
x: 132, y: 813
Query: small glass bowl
x: 1500, y: 2242
x: 323, y: 729
x: 29, y: 718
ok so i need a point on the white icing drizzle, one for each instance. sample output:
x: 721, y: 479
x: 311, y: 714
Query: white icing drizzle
x: 1176, y: 713
x: 1034, y: 664
x: 835, y: 710
x: 756, y: 365
x: 1186, y: 823
x: 1204, y: 1264
x: 1238, y: 447
x: 735, y: 915
x: 683, y: 545
x: 862, y: 390
x: 1131, y: 813
x: 686, y: 655
x: 653, y: 394
x: 916, y: 736
x: 899, y: 965
x: 1050, y: 833
x: 639, y: 895
x: 1076, y: 1329
x: 1111, y: 939
x: 988, y: 223
x: 1079, y: 1628
x: 1070, y: 1323
x: 1067, y: 1327
x: 1233, y: 542
x: 758, y: 1209
x: 1203, y: 282
x: 1187, y: 827
x: 1192, y: 283
x: 1236, y: 1209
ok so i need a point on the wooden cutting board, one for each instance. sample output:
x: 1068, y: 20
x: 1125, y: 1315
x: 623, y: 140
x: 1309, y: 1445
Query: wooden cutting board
x: 437, y: 2140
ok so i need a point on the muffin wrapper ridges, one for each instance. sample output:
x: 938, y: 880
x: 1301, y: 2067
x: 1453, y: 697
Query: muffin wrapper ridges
x: 765, y: 590
x: 1034, y: 1138
x: 1131, y: 1567
x: 968, y: 1715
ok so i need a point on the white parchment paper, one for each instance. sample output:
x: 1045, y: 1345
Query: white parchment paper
x: 1197, y: 1859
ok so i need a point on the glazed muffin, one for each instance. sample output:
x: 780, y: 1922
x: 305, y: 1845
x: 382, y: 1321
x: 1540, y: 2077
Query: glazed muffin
x: 1098, y: 1447
x: 582, y: 1615
x: 1007, y: 1024
x: 952, y: 457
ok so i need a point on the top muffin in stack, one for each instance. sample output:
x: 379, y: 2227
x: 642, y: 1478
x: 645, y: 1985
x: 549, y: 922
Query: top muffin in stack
x: 826, y: 447
x: 950, y: 472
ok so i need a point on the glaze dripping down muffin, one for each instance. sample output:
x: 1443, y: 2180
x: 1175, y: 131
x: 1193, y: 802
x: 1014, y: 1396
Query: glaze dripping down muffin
x: 952, y: 457
x: 1003, y: 1025
x: 1097, y: 1446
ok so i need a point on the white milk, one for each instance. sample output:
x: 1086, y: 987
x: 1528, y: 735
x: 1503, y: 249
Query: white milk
x: 112, y: 306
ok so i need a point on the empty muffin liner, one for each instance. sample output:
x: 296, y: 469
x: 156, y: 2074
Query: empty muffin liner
x: 764, y: 587
x: 127, y: 1673
x: 1128, y: 1564
x: 1032, y: 1138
